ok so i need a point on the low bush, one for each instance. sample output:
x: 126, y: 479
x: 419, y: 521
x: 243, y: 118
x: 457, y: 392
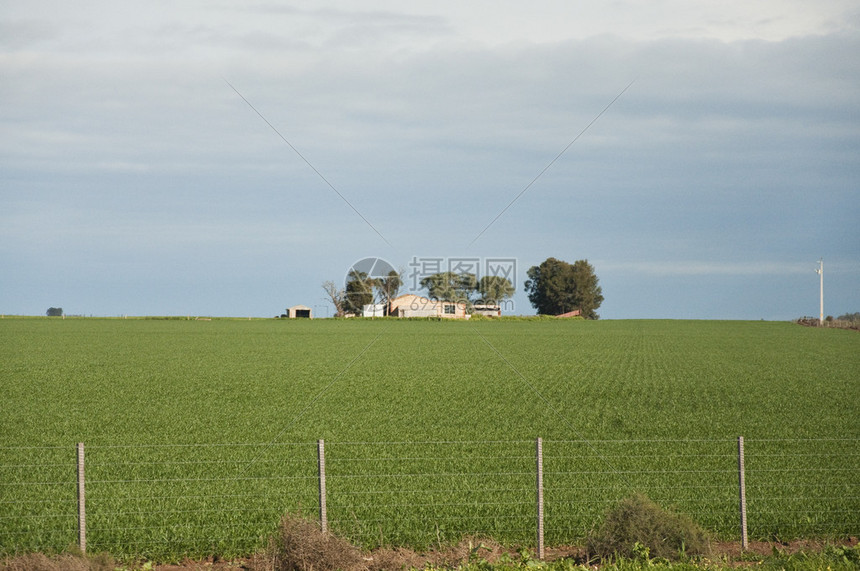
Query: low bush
x: 638, y: 528
x: 300, y: 545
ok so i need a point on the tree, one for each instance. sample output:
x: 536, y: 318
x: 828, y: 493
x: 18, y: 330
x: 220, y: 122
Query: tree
x: 337, y: 297
x: 388, y: 288
x: 54, y: 312
x: 493, y: 289
x: 450, y: 286
x: 358, y: 292
x: 556, y: 287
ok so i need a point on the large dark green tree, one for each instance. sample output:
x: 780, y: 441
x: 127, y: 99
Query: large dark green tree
x: 358, y: 292
x: 556, y: 287
x: 494, y: 289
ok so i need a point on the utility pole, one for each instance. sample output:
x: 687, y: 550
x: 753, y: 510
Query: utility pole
x: 820, y: 272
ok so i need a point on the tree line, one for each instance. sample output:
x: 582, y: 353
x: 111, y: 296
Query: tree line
x: 554, y: 287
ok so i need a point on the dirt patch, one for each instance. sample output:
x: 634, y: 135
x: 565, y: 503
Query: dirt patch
x: 476, y: 548
x: 393, y: 559
x: 206, y: 566
x: 469, y: 549
x: 732, y: 550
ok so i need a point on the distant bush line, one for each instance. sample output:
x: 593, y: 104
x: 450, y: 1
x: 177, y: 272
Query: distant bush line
x: 845, y: 321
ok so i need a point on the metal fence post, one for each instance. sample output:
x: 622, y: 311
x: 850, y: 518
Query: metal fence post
x: 321, y: 461
x: 540, y: 552
x: 82, y: 501
x: 743, y: 493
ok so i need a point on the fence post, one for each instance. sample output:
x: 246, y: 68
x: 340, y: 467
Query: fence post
x: 540, y: 552
x: 82, y: 501
x: 321, y: 459
x: 743, y: 493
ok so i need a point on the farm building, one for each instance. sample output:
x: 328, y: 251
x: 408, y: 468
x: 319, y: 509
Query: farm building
x: 299, y: 311
x: 574, y: 313
x: 411, y: 305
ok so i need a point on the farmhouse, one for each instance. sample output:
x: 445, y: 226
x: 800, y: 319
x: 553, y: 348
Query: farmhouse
x: 299, y: 311
x: 411, y: 305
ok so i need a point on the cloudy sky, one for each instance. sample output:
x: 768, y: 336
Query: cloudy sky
x: 135, y: 180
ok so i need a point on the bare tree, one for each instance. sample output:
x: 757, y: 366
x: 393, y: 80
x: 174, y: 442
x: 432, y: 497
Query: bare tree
x: 337, y: 297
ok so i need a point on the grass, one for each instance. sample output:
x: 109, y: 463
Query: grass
x: 200, y: 435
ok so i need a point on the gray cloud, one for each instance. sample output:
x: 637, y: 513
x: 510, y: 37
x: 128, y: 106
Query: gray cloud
x: 720, y: 155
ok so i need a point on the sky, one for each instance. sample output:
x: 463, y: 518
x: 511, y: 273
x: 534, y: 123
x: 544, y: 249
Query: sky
x: 227, y: 158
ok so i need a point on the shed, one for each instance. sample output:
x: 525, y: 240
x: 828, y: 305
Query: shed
x: 299, y: 311
x: 488, y: 309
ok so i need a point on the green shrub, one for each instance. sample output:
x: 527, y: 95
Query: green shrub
x: 638, y: 528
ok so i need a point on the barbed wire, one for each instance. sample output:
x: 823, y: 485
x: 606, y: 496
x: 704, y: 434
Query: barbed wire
x: 215, y: 479
x: 38, y: 516
x: 423, y: 458
x: 418, y: 491
x: 196, y: 462
x: 375, y: 493
x: 66, y: 483
x: 42, y: 530
x: 201, y: 445
x: 366, y: 443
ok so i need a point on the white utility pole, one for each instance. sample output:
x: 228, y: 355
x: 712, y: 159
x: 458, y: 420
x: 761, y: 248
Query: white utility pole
x: 820, y: 272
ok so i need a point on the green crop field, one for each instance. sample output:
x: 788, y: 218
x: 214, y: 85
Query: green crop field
x: 200, y: 434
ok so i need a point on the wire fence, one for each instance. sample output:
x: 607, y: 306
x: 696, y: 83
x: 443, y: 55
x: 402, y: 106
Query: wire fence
x: 227, y: 499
